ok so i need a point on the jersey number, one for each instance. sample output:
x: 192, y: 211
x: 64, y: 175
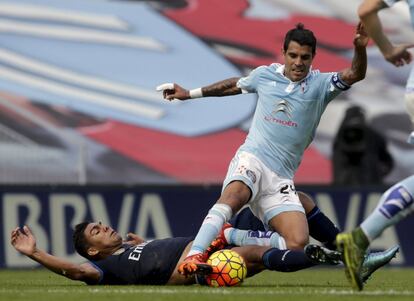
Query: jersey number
x: 288, y: 189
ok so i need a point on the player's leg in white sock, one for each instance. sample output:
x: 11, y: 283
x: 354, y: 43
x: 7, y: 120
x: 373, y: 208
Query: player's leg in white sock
x: 395, y: 204
x: 212, y: 224
x: 234, y: 196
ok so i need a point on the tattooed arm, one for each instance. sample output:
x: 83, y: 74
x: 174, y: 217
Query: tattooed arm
x: 222, y: 88
x: 359, y: 62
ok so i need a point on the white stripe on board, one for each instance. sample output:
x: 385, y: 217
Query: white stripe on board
x: 71, y: 77
x: 79, y: 34
x: 48, y: 13
x: 116, y: 103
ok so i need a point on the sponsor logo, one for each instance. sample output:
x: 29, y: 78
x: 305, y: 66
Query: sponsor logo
x: 284, y: 107
x: 281, y: 122
x: 285, y: 254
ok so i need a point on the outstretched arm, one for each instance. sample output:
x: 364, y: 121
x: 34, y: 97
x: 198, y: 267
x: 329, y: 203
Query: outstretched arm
x: 359, y: 62
x: 222, y: 88
x: 368, y: 13
x: 24, y: 241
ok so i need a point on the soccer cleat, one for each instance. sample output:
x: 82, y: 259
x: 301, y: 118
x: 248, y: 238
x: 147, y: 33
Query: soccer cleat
x: 353, y: 256
x: 321, y: 255
x: 220, y: 241
x: 195, y: 264
x: 373, y: 261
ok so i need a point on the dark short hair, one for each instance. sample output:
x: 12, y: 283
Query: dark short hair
x: 302, y: 36
x: 79, y: 240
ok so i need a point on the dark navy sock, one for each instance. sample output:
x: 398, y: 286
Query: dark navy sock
x: 322, y: 228
x: 285, y: 260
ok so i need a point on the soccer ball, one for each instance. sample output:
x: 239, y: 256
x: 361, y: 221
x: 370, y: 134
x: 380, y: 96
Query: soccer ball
x: 229, y: 269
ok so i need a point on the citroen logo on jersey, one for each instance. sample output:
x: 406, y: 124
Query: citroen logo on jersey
x: 284, y: 107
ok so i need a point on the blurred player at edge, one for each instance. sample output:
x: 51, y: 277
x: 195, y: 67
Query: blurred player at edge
x: 394, y: 205
x: 397, y: 55
x: 397, y: 202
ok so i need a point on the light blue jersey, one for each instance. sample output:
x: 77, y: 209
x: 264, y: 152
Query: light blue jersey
x: 410, y: 81
x: 287, y: 114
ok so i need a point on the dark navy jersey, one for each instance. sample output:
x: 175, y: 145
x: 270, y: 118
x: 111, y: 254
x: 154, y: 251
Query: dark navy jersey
x: 151, y: 262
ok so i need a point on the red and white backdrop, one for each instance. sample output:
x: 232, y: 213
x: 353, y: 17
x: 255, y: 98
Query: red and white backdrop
x: 77, y: 87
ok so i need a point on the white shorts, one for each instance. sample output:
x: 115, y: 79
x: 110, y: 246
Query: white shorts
x: 271, y: 194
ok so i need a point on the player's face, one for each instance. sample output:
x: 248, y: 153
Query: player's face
x: 102, y: 237
x: 298, y: 60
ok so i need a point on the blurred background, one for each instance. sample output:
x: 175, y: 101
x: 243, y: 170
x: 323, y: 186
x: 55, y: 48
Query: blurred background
x: 84, y: 135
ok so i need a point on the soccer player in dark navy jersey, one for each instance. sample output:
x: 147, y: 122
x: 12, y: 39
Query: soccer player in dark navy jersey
x: 150, y: 262
x: 113, y: 261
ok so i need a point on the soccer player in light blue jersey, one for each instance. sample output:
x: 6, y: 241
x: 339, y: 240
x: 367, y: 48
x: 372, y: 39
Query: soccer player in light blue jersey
x: 397, y: 55
x: 397, y: 202
x: 291, y: 100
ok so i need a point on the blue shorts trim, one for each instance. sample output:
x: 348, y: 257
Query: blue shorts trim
x: 285, y: 208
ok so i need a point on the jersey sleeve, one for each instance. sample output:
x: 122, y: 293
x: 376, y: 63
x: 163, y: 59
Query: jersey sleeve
x: 332, y: 85
x: 390, y: 3
x: 101, y: 274
x: 249, y: 83
x: 105, y: 269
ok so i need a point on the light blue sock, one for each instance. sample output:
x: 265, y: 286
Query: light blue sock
x: 395, y: 204
x: 212, y: 224
x: 260, y: 238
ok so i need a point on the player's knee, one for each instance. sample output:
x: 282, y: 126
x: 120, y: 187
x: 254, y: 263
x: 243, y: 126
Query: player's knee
x: 296, y: 242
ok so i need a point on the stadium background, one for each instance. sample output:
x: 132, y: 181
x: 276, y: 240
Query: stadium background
x: 83, y: 134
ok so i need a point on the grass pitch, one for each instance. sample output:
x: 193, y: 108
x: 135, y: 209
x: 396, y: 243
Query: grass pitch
x: 311, y: 285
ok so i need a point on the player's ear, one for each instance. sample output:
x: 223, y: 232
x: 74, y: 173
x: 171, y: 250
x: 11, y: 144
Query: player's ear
x: 92, y: 251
